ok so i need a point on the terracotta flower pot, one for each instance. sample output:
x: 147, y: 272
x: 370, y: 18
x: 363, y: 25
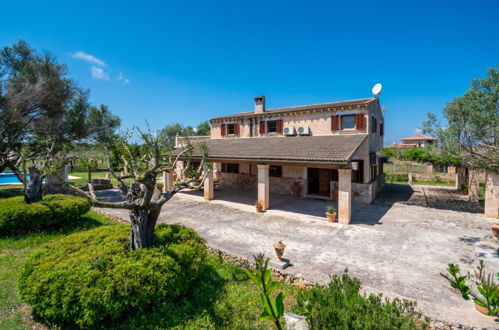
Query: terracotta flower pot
x: 495, y: 230
x: 463, y: 191
x: 481, y: 309
x: 259, y: 208
x: 296, y: 189
x: 279, y: 250
x: 331, y: 217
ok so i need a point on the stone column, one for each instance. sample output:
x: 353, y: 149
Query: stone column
x: 263, y: 186
x: 473, y: 185
x: 492, y: 195
x: 167, y: 181
x: 208, y: 186
x: 344, y: 195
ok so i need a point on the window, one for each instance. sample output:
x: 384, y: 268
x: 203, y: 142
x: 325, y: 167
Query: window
x: 358, y: 175
x: 348, y: 122
x: 231, y: 129
x: 275, y: 171
x: 230, y: 168
x: 272, y: 126
x: 374, y: 124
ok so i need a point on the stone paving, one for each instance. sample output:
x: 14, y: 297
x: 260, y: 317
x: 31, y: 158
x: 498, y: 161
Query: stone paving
x: 398, y: 245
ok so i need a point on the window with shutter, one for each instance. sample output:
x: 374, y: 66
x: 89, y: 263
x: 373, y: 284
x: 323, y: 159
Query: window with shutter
x: 279, y: 126
x: 223, y: 129
x: 381, y: 129
x: 236, y: 129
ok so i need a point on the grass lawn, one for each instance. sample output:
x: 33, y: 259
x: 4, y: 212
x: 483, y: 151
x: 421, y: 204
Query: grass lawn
x: 10, y: 190
x: 238, y: 305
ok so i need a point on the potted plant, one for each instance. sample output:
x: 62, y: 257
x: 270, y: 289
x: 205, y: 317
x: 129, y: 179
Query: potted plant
x: 296, y: 189
x: 259, y: 207
x: 482, y: 288
x: 495, y: 230
x: 463, y: 189
x: 331, y: 213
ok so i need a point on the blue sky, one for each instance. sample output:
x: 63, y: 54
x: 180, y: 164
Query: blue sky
x: 188, y: 61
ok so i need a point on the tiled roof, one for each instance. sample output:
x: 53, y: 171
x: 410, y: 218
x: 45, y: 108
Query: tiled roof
x: 418, y: 137
x: 302, y: 108
x: 329, y: 148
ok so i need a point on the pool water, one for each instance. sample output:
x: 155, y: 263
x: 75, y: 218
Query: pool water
x: 10, y: 178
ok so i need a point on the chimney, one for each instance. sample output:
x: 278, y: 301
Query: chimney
x: 260, y: 104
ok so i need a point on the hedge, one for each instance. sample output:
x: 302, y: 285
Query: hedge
x: 93, y: 279
x: 396, y: 177
x: 53, y: 212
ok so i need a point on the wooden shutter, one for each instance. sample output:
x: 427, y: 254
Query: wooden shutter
x: 236, y: 129
x: 360, y: 121
x: 262, y: 127
x: 223, y: 129
x: 381, y: 129
x: 279, y: 126
x: 224, y: 167
x: 335, y: 123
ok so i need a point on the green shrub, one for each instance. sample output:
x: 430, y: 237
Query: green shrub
x: 341, y: 305
x: 53, y: 212
x: 92, y: 278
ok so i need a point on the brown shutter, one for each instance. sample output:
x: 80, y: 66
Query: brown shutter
x: 223, y: 129
x: 279, y: 126
x: 224, y: 167
x: 360, y: 121
x: 262, y: 127
x: 381, y: 129
x: 236, y: 129
x: 335, y: 123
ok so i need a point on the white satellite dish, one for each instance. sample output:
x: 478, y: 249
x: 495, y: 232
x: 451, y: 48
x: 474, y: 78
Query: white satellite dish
x: 376, y: 90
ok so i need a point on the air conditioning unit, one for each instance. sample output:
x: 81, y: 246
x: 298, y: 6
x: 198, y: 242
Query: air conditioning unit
x: 355, y: 166
x: 289, y: 130
x: 303, y: 130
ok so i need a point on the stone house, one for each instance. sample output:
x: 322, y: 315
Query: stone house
x: 330, y: 150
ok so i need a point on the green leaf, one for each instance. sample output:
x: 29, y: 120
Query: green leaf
x: 265, y: 303
x: 479, y: 303
x: 268, y: 274
x: 272, y: 287
x: 266, y: 316
x: 279, y: 305
x: 253, y: 277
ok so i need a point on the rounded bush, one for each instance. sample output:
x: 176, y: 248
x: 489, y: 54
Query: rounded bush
x: 54, y: 211
x: 92, y: 278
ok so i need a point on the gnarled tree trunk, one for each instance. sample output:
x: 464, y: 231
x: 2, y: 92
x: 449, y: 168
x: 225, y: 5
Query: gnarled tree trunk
x: 33, y: 192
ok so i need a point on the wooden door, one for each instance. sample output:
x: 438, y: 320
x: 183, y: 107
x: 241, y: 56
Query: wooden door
x: 324, y: 182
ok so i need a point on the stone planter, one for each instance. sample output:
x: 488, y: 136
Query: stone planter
x: 331, y: 217
x: 296, y: 189
x: 279, y: 250
x: 481, y: 309
x: 259, y: 208
x: 495, y: 230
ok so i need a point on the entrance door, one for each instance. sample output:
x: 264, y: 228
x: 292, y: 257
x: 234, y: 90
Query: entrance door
x: 313, y: 180
x: 324, y: 182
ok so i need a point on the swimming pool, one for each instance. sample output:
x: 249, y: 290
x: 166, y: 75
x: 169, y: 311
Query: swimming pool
x: 10, y: 178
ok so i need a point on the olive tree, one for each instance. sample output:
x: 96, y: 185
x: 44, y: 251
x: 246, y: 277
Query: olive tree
x: 143, y: 199
x: 43, y: 114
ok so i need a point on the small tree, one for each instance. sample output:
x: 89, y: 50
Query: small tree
x: 143, y: 199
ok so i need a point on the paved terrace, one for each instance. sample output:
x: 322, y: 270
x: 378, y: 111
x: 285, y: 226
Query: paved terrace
x: 397, y: 245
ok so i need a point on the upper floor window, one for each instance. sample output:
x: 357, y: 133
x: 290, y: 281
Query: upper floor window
x: 231, y: 129
x: 374, y: 124
x: 271, y: 126
x: 348, y: 122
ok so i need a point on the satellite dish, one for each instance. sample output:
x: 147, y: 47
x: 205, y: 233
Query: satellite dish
x: 376, y: 90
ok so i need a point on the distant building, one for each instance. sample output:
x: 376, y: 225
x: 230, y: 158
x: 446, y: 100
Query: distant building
x: 418, y: 141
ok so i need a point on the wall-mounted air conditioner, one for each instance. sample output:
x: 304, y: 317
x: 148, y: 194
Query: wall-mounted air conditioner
x: 289, y: 130
x: 303, y: 130
x: 355, y: 166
